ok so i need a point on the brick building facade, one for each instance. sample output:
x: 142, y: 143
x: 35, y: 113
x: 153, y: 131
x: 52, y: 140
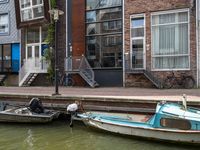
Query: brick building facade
x: 166, y: 12
x: 127, y: 42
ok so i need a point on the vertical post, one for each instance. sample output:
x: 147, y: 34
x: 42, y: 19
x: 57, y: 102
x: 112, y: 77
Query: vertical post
x: 56, y: 13
x: 56, y: 59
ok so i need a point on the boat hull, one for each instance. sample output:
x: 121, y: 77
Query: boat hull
x: 186, y: 137
x: 25, y: 118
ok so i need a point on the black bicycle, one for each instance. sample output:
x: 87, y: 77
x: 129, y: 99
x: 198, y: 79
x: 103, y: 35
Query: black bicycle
x: 66, y: 80
x: 184, y: 81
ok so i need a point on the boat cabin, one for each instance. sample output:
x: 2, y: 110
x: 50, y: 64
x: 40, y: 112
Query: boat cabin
x: 175, y: 116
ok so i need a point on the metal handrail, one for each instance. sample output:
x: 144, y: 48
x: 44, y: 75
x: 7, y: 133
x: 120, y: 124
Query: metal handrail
x: 32, y: 65
x: 78, y: 64
x: 85, y: 66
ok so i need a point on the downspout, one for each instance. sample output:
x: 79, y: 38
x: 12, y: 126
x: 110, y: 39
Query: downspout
x: 123, y: 47
x: 66, y: 14
x: 197, y: 39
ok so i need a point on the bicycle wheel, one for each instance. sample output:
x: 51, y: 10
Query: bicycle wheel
x: 188, y: 82
x: 70, y: 82
x: 169, y: 82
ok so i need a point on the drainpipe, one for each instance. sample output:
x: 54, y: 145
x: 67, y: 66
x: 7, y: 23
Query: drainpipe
x: 123, y: 47
x: 197, y: 39
x: 66, y: 14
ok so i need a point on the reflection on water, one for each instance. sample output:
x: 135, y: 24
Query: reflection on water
x: 58, y: 136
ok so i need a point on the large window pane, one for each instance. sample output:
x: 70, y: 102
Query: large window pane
x: 44, y: 33
x: 4, y: 23
x: 37, y: 2
x: 7, y: 57
x: 112, y: 13
x: 137, y: 22
x: 33, y: 35
x: 105, y: 51
x: 25, y: 3
x: 104, y: 33
x: 91, y: 16
x: 96, y: 4
x: 170, y: 41
x: 105, y: 27
x: 38, y: 12
x: 31, y: 9
x: 26, y: 14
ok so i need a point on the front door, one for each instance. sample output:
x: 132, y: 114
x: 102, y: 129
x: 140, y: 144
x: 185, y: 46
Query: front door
x: 138, y: 54
x: 33, y: 52
x: 138, y: 42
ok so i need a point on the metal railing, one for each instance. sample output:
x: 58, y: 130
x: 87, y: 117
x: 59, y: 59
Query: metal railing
x: 32, y: 65
x: 79, y: 64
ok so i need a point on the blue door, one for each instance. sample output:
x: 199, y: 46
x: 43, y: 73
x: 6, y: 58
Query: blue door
x: 15, y: 57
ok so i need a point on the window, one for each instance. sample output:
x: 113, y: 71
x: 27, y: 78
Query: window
x: 5, y: 58
x: 31, y: 9
x: 4, y: 23
x: 35, y: 42
x: 3, y: 1
x: 104, y: 33
x: 175, y: 123
x: 170, y: 40
x: 138, y: 42
x: 96, y: 4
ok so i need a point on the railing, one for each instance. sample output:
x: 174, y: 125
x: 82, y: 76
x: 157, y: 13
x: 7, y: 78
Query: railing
x: 78, y: 64
x: 85, y: 67
x: 32, y: 65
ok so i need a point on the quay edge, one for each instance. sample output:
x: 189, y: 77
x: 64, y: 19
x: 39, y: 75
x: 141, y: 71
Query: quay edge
x: 126, y: 104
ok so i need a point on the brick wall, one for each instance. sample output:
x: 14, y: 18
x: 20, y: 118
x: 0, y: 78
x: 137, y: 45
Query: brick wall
x: 147, y: 7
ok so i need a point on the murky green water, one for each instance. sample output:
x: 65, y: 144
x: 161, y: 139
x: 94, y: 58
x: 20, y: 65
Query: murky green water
x: 58, y: 136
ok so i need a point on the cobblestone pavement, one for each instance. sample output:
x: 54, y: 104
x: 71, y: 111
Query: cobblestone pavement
x: 115, y: 92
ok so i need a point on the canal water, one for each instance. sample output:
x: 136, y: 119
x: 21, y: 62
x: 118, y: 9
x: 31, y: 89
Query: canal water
x: 59, y: 136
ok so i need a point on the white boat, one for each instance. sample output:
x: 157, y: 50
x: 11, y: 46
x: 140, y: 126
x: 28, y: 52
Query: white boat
x: 171, y: 122
x: 24, y: 115
x: 34, y: 113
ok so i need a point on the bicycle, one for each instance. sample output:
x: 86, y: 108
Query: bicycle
x: 184, y: 81
x: 66, y: 80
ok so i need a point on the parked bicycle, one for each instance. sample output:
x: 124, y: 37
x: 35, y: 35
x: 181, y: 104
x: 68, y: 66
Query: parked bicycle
x: 184, y: 81
x: 66, y: 80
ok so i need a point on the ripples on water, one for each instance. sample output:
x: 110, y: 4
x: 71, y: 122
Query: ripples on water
x: 58, y: 136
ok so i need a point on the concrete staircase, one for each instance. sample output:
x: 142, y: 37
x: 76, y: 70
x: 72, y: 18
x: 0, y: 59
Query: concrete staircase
x: 31, y: 77
x: 30, y: 70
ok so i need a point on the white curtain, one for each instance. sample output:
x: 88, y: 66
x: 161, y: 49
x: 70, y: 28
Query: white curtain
x: 170, y: 41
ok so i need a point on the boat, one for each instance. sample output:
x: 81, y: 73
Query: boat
x: 23, y: 114
x: 172, y: 122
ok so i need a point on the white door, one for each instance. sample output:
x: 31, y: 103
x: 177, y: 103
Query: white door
x: 33, y: 52
x: 138, y: 54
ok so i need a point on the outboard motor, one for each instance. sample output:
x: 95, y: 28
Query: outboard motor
x: 36, y: 106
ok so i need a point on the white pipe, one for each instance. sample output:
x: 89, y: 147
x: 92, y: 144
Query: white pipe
x: 123, y: 47
x: 197, y: 39
x: 66, y: 50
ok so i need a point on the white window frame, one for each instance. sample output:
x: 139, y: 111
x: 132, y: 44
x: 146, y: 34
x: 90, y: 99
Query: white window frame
x: 6, y: 13
x: 35, y: 44
x: 4, y: 1
x: 31, y: 7
x: 152, y: 55
x: 138, y: 38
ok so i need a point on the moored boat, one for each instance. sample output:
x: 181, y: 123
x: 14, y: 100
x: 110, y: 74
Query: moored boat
x: 171, y: 122
x: 30, y: 114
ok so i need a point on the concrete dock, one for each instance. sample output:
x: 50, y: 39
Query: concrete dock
x: 105, y: 99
